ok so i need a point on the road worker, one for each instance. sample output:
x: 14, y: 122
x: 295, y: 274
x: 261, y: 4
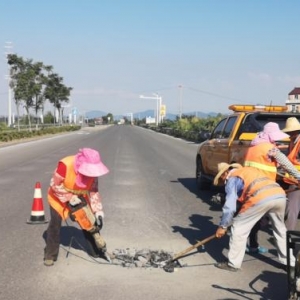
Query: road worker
x: 292, y: 128
x: 74, y: 175
x: 257, y: 195
x: 264, y: 155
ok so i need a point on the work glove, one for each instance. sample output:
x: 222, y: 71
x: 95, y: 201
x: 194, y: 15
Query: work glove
x: 99, y: 221
x: 74, y: 200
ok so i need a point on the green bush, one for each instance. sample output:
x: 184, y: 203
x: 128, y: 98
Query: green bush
x: 10, y: 135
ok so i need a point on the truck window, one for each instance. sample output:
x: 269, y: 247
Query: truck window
x: 224, y: 128
x: 217, y: 133
x: 228, y: 127
x: 249, y: 126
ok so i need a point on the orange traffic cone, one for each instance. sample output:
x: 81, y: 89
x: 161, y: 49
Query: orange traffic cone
x: 37, y: 211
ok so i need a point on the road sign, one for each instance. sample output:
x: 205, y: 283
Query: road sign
x: 163, y: 110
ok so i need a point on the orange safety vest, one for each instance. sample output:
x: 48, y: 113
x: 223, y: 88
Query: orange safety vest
x: 293, y: 155
x: 70, y: 186
x: 257, y: 157
x: 257, y: 187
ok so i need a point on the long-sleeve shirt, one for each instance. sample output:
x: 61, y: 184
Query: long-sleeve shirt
x: 284, y: 162
x: 233, y: 189
x: 57, y: 186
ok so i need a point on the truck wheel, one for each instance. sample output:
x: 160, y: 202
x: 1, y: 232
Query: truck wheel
x: 294, y: 288
x: 201, y: 181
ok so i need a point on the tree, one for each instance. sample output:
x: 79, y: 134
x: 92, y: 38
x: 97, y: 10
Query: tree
x: 57, y: 93
x: 33, y: 83
x: 110, y: 118
x: 25, y: 83
x: 48, y: 118
x: 44, y: 80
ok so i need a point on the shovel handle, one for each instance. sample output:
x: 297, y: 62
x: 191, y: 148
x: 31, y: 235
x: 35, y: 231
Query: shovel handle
x: 289, y: 180
x: 200, y: 243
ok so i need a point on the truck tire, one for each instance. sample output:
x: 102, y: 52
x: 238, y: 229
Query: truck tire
x: 202, y: 182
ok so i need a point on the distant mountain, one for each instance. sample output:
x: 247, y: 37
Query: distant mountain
x: 95, y: 114
x: 148, y: 113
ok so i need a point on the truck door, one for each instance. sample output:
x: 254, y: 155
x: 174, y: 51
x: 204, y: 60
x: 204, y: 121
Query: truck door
x: 221, y: 143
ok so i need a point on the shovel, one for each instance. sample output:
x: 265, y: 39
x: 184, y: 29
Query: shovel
x: 170, y: 265
x: 291, y: 181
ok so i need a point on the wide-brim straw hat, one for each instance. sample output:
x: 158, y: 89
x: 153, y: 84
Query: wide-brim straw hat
x: 223, y: 167
x: 292, y: 124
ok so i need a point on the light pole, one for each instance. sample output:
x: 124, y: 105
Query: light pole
x: 62, y: 112
x: 8, y: 46
x: 131, y: 117
x: 158, y: 105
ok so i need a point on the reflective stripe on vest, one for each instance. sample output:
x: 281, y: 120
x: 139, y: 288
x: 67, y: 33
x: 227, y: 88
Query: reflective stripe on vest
x: 257, y: 157
x: 76, y: 192
x: 256, y: 187
x: 70, y: 186
x: 254, y: 182
x: 265, y: 187
x: 260, y: 166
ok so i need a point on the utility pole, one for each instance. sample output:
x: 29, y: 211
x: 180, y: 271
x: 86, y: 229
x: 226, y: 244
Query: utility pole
x: 8, y: 47
x: 180, y: 101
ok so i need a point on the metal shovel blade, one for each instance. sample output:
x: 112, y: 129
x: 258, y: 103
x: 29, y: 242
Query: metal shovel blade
x: 170, y: 265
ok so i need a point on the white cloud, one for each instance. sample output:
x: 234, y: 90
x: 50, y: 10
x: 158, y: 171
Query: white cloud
x: 261, y: 77
x: 291, y: 80
x: 103, y: 92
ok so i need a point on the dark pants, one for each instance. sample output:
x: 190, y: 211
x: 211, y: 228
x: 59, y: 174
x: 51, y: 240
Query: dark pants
x: 53, y: 238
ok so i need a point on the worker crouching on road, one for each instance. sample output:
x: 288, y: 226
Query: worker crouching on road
x: 257, y: 195
x: 75, y: 175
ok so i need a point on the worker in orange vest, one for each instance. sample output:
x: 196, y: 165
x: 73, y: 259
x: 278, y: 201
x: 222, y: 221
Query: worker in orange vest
x: 258, y: 195
x: 292, y: 128
x: 263, y: 154
x: 266, y: 156
x: 74, y: 175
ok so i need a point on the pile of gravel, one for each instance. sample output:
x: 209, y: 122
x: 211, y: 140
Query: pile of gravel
x: 145, y: 258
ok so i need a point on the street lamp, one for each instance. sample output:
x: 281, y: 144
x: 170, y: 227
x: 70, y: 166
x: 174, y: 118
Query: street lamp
x: 131, y: 117
x: 62, y: 112
x: 158, y: 105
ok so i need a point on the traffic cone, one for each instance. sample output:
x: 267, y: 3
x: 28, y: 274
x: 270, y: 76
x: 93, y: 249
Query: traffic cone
x: 37, y: 211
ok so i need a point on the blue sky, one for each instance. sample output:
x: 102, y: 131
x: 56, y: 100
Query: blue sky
x: 111, y: 51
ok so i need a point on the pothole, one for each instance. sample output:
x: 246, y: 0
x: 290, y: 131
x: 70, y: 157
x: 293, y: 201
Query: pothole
x: 145, y: 258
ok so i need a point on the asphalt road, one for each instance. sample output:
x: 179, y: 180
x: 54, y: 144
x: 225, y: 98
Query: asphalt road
x: 150, y: 201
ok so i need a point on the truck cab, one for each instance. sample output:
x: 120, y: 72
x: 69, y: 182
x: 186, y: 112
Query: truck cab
x: 231, y: 138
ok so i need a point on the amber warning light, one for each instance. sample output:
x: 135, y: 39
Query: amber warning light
x: 264, y: 108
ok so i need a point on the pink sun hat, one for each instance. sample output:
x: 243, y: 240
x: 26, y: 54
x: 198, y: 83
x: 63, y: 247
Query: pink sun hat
x: 88, y: 163
x: 270, y: 133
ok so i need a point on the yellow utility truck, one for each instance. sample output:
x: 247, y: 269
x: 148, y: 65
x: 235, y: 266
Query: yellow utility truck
x: 230, y: 139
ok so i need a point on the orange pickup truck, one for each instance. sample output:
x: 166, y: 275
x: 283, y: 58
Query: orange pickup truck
x: 231, y: 138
